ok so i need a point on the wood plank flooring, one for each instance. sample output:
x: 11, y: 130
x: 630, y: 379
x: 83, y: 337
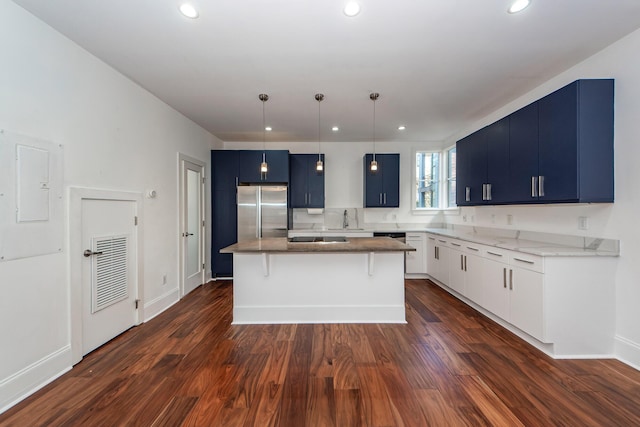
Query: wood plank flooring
x: 449, y: 366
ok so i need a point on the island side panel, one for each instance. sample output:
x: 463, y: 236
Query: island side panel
x: 319, y: 288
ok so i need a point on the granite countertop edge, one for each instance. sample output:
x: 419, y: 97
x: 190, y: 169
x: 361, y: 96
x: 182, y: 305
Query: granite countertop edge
x: 353, y: 245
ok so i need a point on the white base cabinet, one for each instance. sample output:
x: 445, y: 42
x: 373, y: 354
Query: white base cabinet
x: 563, y: 305
x: 416, y: 262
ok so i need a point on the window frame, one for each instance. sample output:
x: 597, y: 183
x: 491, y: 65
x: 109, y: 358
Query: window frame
x: 443, y: 182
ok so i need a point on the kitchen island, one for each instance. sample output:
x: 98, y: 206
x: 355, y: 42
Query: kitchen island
x: 360, y: 280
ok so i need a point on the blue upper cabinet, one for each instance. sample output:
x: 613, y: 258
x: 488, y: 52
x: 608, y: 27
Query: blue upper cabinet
x: 556, y: 150
x: 575, y: 145
x: 484, y: 176
x: 306, y: 184
x: 382, y: 188
x: 278, y: 166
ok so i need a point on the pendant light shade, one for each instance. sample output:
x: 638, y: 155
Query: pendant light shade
x: 373, y: 166
x: 319, y: 164
x: 264, y: 168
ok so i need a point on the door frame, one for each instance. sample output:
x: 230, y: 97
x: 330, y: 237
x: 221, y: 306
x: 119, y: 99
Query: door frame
x: 76, y: 196
x: 182, y: 158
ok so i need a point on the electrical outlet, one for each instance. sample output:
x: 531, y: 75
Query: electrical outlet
x: 583, y: 223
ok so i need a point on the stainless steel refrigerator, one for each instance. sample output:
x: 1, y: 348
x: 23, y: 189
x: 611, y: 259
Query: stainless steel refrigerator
x: 262, y: 211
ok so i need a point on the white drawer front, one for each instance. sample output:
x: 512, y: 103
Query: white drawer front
x: 527, y: 261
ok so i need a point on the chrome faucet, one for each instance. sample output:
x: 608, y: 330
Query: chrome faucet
x: 345, y: 219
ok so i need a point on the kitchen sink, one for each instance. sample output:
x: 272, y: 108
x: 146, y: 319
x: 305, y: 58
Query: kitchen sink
x: 318, y: 239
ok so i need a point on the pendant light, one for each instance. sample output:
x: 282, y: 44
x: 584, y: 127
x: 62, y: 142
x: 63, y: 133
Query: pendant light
x: 264, y: 168
x: 319, y: 165
x: 374, y: 164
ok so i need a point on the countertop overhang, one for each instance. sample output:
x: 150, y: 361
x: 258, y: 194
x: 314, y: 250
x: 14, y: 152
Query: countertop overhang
x: 353, y: 245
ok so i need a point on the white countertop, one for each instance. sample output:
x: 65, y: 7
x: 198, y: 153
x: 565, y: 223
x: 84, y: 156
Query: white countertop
x: 590, y: 246
x: 534, y: 243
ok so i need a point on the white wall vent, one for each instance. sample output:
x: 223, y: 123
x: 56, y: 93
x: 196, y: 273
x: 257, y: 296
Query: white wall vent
x: 109, y: 271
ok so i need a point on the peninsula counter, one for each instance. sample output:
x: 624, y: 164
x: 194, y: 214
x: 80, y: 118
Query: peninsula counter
x: 358, y: 281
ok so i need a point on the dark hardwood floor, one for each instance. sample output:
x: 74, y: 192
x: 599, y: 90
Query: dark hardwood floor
x: 449, y: 366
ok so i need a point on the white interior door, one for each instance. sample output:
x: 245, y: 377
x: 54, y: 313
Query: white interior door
x: 192, y: 225
x: 109, y: 289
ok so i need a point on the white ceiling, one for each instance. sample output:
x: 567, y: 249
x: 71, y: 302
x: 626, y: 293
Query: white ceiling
x: 437, y: 64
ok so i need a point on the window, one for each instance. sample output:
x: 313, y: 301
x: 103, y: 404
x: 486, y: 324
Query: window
x: 427, y: 179
x: 451, y: 177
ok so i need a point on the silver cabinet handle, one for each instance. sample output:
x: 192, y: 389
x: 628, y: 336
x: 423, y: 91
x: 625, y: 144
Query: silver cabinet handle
x: 488, y: 191
x: 510, y: 279
x: 504, y: 277
x: 384, y: 198
x: 467, y: 194
x: 484, y: 191
x: 461, y: 263
x: 88, y: 252
x: 236, y: 181
x: 380, y: 198
x: 454, y: 244
x: 524, y: 260
x: 494, y: 254
x: 465, y: 263
x: 541, y: 185
x: 473, y: 249
x: 442, y: 241
x: 437, y: 252
x: 534, y: 186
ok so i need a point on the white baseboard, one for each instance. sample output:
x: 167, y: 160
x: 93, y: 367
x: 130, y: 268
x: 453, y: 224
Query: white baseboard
x: 627, y: 351
x: 35, y: 376
x: 318, y: 314
x: 158, y: 305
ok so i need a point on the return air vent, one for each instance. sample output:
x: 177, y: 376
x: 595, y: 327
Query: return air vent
x: 109, y: 271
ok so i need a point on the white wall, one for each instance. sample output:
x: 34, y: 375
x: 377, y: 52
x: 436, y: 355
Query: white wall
x: 115, y: 136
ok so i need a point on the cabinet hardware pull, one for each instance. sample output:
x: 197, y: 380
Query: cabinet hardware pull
x: 504, y: 277
x: 488, y: 191
x: 432, y: 238
x: 493, y: 253
x: 461, y: 263
x: 524, y: 260
x: 442, y: 241
x: 484, y: 191
x: 236, y: 181
x: 384, y: 198
x: 473, y: 249
x: 541, y: 185
x: 380, y: 198
x: 510, y: 279
x: 467, y: 194
x: 465, y: 263
x: 454, y: 244
x: 534, y: 186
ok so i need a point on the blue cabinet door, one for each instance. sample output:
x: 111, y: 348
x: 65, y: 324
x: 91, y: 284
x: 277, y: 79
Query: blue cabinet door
x: 391, y: 180
x: 298, y: 180
x: 476, y: 152
x: 306, y: 184
x: 277, y: 161
x: 558, y: 145
x: 523, y: 154
x: 497, y: 179
x: 315, y: 182
x: 224, y: 172
x: 382, y: 188
x: 463, y: 175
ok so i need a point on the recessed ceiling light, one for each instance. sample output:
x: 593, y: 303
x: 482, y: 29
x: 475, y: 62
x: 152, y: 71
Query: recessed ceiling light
x: 351, y: 9
x: 402, y: 127
x: 268, y: 128
x: 518, y: 6
x: 335, y: 128
x: 189, y: 11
